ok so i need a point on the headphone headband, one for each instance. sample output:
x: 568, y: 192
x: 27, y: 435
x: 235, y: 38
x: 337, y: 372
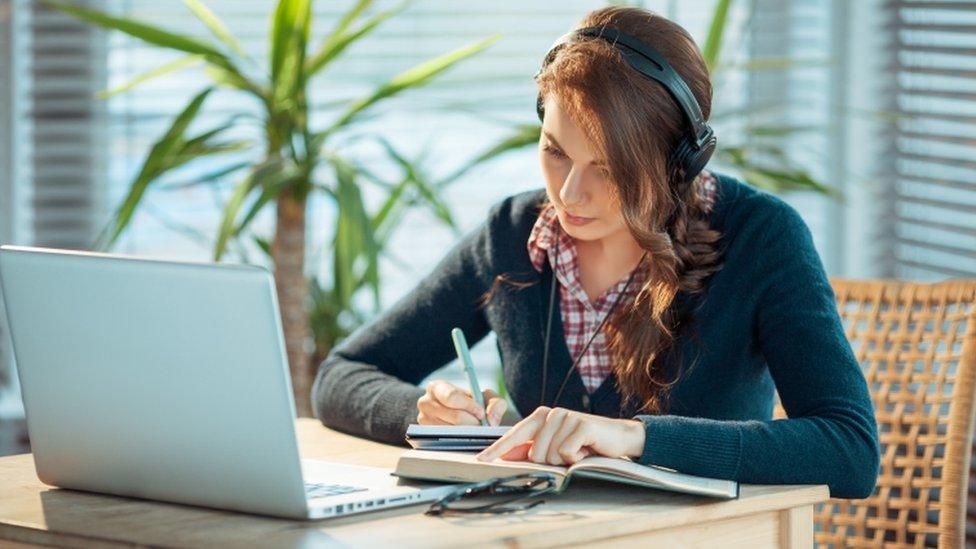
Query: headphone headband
x: 693, y: 153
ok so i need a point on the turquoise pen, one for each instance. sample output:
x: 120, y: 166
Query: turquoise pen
x: 461, y: 346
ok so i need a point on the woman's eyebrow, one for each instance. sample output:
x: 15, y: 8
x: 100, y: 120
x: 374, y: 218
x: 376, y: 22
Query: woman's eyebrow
x: 556, y: 143
x: 551, y: 138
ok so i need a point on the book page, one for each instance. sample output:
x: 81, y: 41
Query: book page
x: 653, y: 476
x: 464, y: 467
x: 621, y: 466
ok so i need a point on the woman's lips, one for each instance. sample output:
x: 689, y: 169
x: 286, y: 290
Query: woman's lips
x: 576, y: 220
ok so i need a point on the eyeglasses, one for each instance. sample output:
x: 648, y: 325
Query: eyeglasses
x: 503, y: 495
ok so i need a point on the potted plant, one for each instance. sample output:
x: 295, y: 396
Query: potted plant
x: 294, y: 159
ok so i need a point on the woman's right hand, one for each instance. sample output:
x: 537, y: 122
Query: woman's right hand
x: 447, y: 404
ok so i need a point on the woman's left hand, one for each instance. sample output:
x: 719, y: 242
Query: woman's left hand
x: 561, y: 437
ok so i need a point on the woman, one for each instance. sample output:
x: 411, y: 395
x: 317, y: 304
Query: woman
x: 685, y: 299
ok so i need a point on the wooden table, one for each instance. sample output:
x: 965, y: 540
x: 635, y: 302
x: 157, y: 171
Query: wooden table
x: 589, y: 512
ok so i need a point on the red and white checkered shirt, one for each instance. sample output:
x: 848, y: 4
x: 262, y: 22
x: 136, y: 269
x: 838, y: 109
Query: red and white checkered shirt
x: 579, y: 315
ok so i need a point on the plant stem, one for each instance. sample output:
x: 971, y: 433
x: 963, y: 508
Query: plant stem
x: 288, y: 251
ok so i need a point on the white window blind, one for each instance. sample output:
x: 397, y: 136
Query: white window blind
x: 930, y: 200
x: 62, y: 126
x: 6, y: 114
x: 792, y: 85
x: 6, y: 176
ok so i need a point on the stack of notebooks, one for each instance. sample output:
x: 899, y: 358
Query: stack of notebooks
x: 428, y: 461
x: 454, y: 437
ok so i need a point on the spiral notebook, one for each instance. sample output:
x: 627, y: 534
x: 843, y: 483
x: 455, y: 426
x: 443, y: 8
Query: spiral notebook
x: 464, y: 467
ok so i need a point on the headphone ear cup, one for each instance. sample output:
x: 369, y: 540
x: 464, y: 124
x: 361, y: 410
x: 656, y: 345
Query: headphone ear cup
x: 539, y: 109
x: 699, y: 158
x: 679, y: 158
x: 687, y: 160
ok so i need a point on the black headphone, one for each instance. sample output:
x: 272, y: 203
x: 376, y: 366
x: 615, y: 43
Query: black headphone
x: 693, y: 150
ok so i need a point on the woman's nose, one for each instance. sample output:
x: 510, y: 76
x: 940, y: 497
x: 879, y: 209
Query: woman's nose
x: 573, y: 191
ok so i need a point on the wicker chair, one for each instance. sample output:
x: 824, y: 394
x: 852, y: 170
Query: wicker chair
x: 917, y: 346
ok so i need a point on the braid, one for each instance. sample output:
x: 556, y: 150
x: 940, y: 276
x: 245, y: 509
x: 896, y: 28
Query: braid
x: 681, y: 259
x: 695, y: 243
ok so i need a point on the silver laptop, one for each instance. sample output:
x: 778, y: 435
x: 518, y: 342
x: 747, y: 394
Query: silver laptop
x: 169, y: 381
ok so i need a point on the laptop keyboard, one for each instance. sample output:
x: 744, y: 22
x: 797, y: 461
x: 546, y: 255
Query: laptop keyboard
x: 322, y: 490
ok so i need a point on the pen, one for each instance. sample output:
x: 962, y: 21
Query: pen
x: 461, y: 346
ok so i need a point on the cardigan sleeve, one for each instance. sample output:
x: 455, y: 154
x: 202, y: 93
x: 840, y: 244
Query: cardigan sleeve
x: 831, y: 434
x: 367, y: 385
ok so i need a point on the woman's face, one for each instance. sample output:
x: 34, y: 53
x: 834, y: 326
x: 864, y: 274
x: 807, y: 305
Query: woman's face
x: 577, y: 183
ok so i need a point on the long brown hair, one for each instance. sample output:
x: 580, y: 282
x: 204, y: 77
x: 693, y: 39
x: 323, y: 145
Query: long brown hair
x: 634, y: 123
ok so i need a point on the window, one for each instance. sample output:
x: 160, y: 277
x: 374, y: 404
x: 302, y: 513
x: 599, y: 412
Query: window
x: 930, y: 194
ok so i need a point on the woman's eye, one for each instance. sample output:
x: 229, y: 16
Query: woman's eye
x: 554, y: 151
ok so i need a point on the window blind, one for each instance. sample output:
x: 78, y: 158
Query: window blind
x: 64, y: 68
x: 6, y: 170
x: 790, y: 86
x: 6, y: 113
x: 930, y: 196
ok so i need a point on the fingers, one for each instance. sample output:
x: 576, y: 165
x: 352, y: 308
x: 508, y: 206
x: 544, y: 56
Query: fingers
x: 455, y: 417
x: 541, y: 444
x: 425, y: 419
x: 549, y: 435
x: 575, y: 446
x: 521, y: 433
x: 496, y: 407
x: 451, y: 405
x: 457, y: 410
x: 448, y: 416
x: 560, y: 451
x: 519, y: 453
x: 451, y: 396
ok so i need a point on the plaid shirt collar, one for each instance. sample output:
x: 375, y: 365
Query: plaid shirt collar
x: 543, y: 237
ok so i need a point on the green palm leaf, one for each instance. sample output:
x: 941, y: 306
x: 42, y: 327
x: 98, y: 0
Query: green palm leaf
x: 156, y: 36
x: 524, y: 135
x: 338, y: 42
x: 271, y: 177
x: 231, y: 208
x: 716, y: 31
x: 354, y: 238
x: 270, y: 190
x: 172, y: 66
x: 137, y: 29
x: 207, y: 178
x: 289, y: 35
x: 351, y: 15
x: 215, y: 25
x: 159, y: 161
x: 425, y: 189
x: 412, y: 78
x: 384, y: 219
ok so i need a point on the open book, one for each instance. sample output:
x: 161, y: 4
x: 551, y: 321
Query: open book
x: 464, y: 467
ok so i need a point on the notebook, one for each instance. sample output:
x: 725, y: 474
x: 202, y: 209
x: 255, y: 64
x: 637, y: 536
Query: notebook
x: 454, y: 437
x: 464, y: 467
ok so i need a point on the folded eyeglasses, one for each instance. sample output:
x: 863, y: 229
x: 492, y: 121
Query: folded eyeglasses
x: 495, y: 496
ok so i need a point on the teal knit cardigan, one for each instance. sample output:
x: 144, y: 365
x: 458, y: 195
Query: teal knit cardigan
x: 767, y: 323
